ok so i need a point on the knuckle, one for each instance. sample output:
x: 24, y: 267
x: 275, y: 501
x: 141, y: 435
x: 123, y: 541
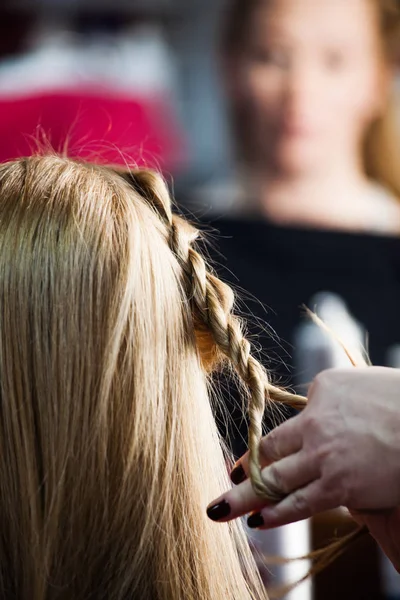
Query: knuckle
x: 275, y: 476
x: 337, y: 487
x: 300, y: 503
x: 269, y: 447
x: 311, y: 422
x: 319, y: 379
x: 323, y: 453
x: 335, y: 378
x: 320, y: 382
x: 326, y: 381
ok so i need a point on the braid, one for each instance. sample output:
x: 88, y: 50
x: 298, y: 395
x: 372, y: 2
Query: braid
x: 215, y: 324
x: 212, y: 303
x: 207, y: 298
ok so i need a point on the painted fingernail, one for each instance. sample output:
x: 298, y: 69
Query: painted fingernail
x: 238, y: 475
x: 218, y: 511
x: 255, y: 521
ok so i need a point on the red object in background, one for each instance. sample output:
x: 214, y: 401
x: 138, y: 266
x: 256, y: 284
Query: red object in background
x: 93, y: 125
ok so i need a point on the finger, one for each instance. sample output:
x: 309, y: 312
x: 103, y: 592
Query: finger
x: 284, y: 475
x: 281, y: 442
x: 301, y: 504
x: 235, y: 503
x: 290, y: 473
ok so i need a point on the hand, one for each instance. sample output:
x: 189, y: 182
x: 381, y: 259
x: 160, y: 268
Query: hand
x: 343, y: 450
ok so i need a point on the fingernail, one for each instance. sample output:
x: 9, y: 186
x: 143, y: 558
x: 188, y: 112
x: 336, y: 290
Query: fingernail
x: 238, y: 475
x: 255, y: 521
x: 218, y: 511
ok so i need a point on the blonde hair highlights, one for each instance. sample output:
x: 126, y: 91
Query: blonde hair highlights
x: 109, y: 452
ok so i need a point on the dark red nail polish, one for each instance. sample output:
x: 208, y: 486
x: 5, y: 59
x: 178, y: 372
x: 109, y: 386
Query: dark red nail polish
x: 238, y: 475
x: 255, y: 521
x: 219, y: 511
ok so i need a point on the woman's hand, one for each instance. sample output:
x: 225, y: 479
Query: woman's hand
x: 342, y: 450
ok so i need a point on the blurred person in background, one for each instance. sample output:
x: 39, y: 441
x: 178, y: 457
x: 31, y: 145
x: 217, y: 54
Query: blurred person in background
x: 316, y: 201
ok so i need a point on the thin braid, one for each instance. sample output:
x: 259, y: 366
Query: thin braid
x: 207, y: 293
x: 212, y: 303
x: 212, y: 307
x: 228, y: 335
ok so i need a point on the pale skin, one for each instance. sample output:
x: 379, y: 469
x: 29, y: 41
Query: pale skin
x: 303, y: 62
x: 342, y: 450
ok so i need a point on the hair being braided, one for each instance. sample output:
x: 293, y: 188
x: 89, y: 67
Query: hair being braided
x: 219, y: 336
x: 212, y: 308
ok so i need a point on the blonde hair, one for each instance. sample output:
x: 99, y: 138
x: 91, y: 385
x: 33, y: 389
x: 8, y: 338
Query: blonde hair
x: 381, y: 147
x: 109, y: 454
x: 110, y: 324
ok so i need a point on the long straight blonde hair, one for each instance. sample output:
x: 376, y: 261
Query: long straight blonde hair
x: 109, y: 454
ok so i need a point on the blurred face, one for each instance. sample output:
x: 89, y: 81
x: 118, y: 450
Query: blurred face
x: 311, y: 78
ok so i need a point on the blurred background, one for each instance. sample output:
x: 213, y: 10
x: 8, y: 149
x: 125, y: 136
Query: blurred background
x: 277, y: 122
x: 157, y: 55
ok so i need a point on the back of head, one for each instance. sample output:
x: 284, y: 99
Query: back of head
x: 108, y: 449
